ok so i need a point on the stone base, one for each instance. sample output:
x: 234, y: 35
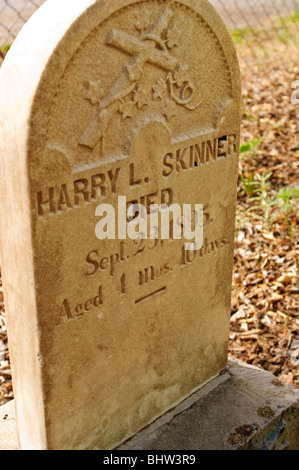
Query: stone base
x: 244, y: 408
x: 8, y: 428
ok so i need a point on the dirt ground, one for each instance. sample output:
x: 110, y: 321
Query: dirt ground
x: 265, y: 296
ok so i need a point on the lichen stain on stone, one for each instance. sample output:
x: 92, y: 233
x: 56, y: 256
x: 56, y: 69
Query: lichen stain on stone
x: 265, y: 411
x: 241, y: 433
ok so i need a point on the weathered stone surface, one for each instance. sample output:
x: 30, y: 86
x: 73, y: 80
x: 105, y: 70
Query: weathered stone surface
x: 8, y: 427
x: 105, y: 99
x: 244, y: 408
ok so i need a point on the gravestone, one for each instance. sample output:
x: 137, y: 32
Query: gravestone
x: 100, y: 100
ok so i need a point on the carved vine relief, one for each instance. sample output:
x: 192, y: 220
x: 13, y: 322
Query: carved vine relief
x: 156, y: 43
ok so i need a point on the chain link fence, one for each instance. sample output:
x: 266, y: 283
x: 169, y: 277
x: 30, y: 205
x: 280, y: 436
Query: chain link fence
x: 254, y: 14
x: 13, y: 15
x: 238, y: 14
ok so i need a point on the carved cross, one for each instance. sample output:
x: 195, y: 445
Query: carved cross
x: 143, y: 51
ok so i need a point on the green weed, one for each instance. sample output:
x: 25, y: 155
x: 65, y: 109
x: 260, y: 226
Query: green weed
x: 250, y: 150
x: 248, y: 185
x: 270, y: 208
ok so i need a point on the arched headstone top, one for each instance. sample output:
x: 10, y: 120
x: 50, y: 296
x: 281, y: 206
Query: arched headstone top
x: 107, y: 67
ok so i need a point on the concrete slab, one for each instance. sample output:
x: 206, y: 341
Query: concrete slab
x: 251, y: 409
x: 244, y: 408
x: 8, y: 428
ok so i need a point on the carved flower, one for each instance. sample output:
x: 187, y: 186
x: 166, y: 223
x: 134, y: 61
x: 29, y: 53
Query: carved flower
x: 134, y: 71
x: 173, y: 36
x: 140, y: 98
x: 94, y: 91
x: 180, y: 75
x: 142, y: 23
x: 169, y: 109
x: 126, y: 107
x: 159, y: 89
